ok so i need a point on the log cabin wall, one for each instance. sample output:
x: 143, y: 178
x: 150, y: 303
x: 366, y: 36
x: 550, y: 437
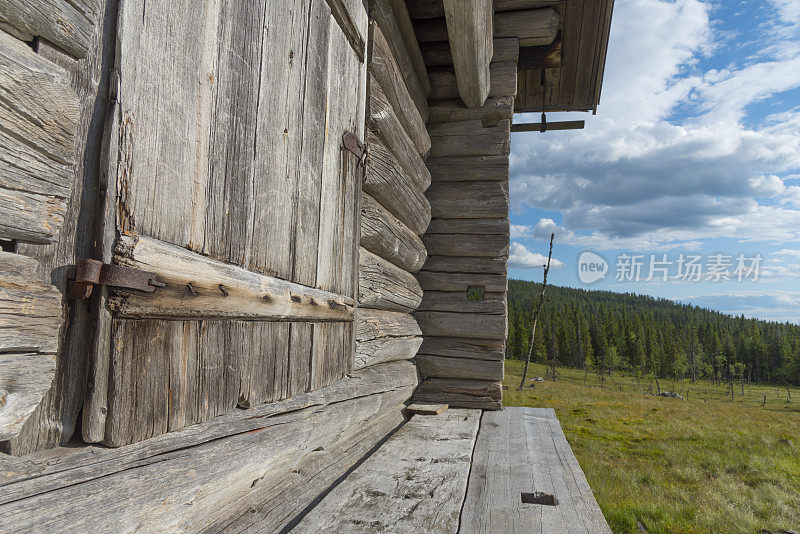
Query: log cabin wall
x: 394, y: 209
x: 463, y: 310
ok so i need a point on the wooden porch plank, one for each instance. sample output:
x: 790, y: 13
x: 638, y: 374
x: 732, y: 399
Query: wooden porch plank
x: 524, y: 450
x: 415, y: 480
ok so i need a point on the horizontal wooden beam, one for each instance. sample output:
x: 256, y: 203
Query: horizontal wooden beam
x: 547, y: 126
x: 479, y: 349
x: 459, y: 324
x: 459, y: 393
x: 426, y: 9
x: 385, y: 286
x: 430, y: 365
x: 200, y: 287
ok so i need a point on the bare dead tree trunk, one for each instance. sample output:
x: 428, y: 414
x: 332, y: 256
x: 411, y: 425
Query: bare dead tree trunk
x: 536, y: 313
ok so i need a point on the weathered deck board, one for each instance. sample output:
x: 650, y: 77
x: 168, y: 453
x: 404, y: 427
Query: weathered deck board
x: 524, y: 450
x: 186, y: 480
x: 414, y: 481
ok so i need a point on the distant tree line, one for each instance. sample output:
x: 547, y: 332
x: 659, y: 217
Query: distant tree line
x: 604, y: 332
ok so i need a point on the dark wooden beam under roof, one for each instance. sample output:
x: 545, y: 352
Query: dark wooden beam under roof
x: 430, y: 9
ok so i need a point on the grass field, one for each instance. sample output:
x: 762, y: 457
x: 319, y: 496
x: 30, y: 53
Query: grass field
x: 706, y: 464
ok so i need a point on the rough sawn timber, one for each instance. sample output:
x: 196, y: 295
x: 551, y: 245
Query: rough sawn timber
x: 69, y: 24
x: 383, y: 66
x: 206, y: 475
x: 39, y: 118
x: 201, y: 287
x: 383, y: 336
x: 426, y: 9
x: 483, y: 394
x: 385, y: 235
x: 400, y: 193
x: 384, y: 286
x: 386, y: 14
x: 30, y: 322
x: 415, y: 480
x: 524, y: 450
x: 445, y: 367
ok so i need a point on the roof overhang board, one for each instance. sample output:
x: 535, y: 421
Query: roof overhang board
x: 574, y: 82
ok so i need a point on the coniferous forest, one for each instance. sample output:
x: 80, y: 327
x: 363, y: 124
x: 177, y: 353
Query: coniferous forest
x: 607, y: 332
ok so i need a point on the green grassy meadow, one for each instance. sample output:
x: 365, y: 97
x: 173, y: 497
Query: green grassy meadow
x: 706, y: 464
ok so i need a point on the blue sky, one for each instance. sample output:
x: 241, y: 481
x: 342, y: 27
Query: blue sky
x: 695, y: 151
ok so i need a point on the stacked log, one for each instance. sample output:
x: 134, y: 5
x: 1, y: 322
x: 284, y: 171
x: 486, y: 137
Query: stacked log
x: 394, y: 209
x: 463, y: 310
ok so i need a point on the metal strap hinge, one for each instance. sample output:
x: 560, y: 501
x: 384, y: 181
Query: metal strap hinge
x: 353, y: 145
x: 90, y: 273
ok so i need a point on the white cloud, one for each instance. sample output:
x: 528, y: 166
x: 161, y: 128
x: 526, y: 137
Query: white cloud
x: 771, y: 304
x: 522, y: 258
x: 639, y: 176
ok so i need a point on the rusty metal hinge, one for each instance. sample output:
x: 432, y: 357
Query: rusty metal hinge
x: 90, y: 273
x: 354, y: 146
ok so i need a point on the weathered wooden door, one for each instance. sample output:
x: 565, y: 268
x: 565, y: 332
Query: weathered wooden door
x: 229, y: 181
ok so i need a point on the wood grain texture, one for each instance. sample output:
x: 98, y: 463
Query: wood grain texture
x: 524, y: 450
x: 459, y: 393
x: 385, y: 235
x: 401, y: 16
x: 445, y: 281
x: 385, y: 286
x: 466, y: 368
x: 470, y: 32
x: 215, y: 471
x: 480, y: 245
x: 503, y: 81
x: 383, y: 66
x: 67, y: 24
x: 415, y: 75
x: 469, y: 200
x: 493, y: 110
x: 418, y: 477
x: 470, y: 138
x: 377, y: 324
x: 498, y: 226
x: 281, y: 140
x: 55, y: 419
x: 200, y: 287
x: 479, y: 349
x: 425, y: 9
x: 400, y: 193
x: 383, y: 120
x: 385, y: 336
x: 24, y: 380
x: 465, y: 264
x: 456, y: 301
x: 39, y: 115
x: 469, y: 168
x: 460, y: 324
x: 30, y: 308
x: 533, y: 27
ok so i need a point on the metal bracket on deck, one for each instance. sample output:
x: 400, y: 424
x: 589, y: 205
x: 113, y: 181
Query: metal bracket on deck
x: 90, y: 273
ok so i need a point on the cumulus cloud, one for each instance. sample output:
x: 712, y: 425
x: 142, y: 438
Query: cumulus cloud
x: 523, y: 258
x: 671, y: 157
